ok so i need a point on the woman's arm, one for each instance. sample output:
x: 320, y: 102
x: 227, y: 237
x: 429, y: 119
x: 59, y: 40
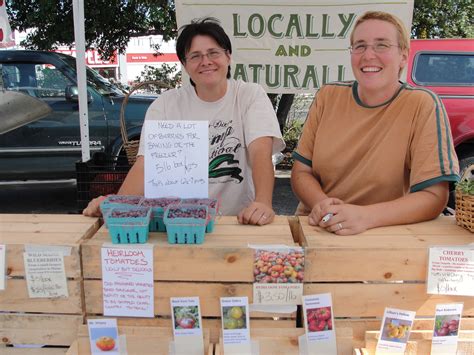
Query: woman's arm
x: 412, y: 208
x: 260, y: 211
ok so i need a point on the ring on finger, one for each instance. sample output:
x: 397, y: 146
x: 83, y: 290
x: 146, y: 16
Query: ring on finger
x: 339, y: 226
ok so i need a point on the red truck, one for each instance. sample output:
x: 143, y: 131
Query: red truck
x: 446, y: 67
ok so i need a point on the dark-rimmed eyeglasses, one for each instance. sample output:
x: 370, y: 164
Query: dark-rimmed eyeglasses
x: 195, y: 58
x: 379, y: 47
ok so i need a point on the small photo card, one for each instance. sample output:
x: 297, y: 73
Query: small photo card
x: 127, y: 280
x: 103, y: 335
x: 451, y: 271
x: 187, y: 325
x: 3, y: 266
x: 319, y: 324
x: 395, y: 331
x: 446, y: 327
x: 278, y: 275
x: 45, y: 274
x: 236, y: 325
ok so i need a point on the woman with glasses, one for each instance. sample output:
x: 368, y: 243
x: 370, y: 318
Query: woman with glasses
x: 243, y: 128
x: 374, y: 151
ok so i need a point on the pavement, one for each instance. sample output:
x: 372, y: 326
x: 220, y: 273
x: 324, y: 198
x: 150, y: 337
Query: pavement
x: 60, y: 196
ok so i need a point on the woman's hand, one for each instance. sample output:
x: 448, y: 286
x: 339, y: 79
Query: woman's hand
x: 257, y: 213
x: 347, y: 219
x: 321, y: 209
x: 93, y: 208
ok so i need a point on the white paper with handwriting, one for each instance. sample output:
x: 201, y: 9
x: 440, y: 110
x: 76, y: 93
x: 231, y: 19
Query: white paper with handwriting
x: 451, y: 270
x: 176, y: 158
x: 45, y: 274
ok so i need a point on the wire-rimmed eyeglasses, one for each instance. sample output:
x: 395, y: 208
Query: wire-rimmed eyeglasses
x: 197, y: 57
x: 378, y: 47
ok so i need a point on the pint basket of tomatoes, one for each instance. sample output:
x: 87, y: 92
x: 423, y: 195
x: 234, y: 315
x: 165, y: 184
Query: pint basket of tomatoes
x: 129, y: 225
x: 186, y: 224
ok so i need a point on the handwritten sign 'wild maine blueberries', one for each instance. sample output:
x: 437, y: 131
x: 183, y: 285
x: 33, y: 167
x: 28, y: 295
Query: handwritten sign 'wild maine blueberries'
x: 176, y: 158
x: 289, y: 46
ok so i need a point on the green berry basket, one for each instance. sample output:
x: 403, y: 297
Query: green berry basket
x: 186, y: 224
x: 129, y: 225
x: 158, y: 206
x: 113, y: 201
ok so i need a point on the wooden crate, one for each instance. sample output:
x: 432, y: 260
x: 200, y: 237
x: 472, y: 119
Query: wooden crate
x: 382, y: 267
x: 360, y: 326
x: 420, y: 342
x: 39, y: 320
x: 285, y: 341
x: 140, y: 340
x: 220, y: 267
x: 213, y: 324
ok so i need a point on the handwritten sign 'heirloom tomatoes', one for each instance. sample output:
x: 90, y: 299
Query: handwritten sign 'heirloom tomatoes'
x: 289, y: 46
x: 5, y: 31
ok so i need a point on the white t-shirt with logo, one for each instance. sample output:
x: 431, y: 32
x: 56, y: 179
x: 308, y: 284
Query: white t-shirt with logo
x: 241, y: 116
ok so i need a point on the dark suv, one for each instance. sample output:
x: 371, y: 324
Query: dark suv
x: 49, y: 147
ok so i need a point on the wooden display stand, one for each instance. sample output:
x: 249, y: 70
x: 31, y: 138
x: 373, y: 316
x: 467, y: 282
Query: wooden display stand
x: 220, y: 267
x: 140, y: 340
x: 285, y: 341
x: 41, y: 321
x: 420, y: 342
x: 383, y: 267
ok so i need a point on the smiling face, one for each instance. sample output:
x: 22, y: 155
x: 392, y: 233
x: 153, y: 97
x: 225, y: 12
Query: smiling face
x: 207, y: 74
x: 377, y: 73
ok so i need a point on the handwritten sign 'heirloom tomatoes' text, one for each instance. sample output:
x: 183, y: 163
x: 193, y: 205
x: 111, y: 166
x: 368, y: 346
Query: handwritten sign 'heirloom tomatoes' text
x: 176, y: 158
x: 127, y: 276
x: 289, y: 46
x: 45, y: 274
x: 451, y: 271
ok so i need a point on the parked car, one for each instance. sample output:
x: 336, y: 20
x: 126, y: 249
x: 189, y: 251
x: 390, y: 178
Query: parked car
x: 446, y: 67
x: 49, y: 147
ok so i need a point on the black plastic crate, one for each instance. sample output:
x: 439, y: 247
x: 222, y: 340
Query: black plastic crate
x: 102, y: 175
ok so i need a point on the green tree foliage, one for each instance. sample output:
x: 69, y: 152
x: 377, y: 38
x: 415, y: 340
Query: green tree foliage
x: 109, y: 24
x: 166, y: 74
x: 443, y: 19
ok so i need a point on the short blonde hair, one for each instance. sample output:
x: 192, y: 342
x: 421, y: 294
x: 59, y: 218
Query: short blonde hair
x: 403, y: 36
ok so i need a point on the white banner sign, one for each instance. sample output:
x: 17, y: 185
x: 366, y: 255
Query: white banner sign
x: 5, y: 31
x: 289, y: 46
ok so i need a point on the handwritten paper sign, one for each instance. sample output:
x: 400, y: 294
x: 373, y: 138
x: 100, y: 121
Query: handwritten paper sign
x: 319, y: 324
x: 187, y: 325
x: 103, y: 335
x: 45, y: 274
x: 127, y: 276
x: 236, y: 325
x: 3, y: 256
x: 176, y: 158
x: 451, y: 271
x: 278, y: 273
x: 446, y: 328
x: 395, y: 331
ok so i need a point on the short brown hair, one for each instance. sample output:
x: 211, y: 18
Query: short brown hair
x: 403, y: 36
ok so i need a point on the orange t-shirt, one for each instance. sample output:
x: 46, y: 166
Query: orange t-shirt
x: 365, y: 155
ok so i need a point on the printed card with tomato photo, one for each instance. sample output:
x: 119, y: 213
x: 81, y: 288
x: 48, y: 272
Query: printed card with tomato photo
x: 278, y: 275
x: 187, y: 325
x: 395, y: 331
x: 103, y: 335
x: 319, y: 324
x: 236, y: 325
x: 446, y: 327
